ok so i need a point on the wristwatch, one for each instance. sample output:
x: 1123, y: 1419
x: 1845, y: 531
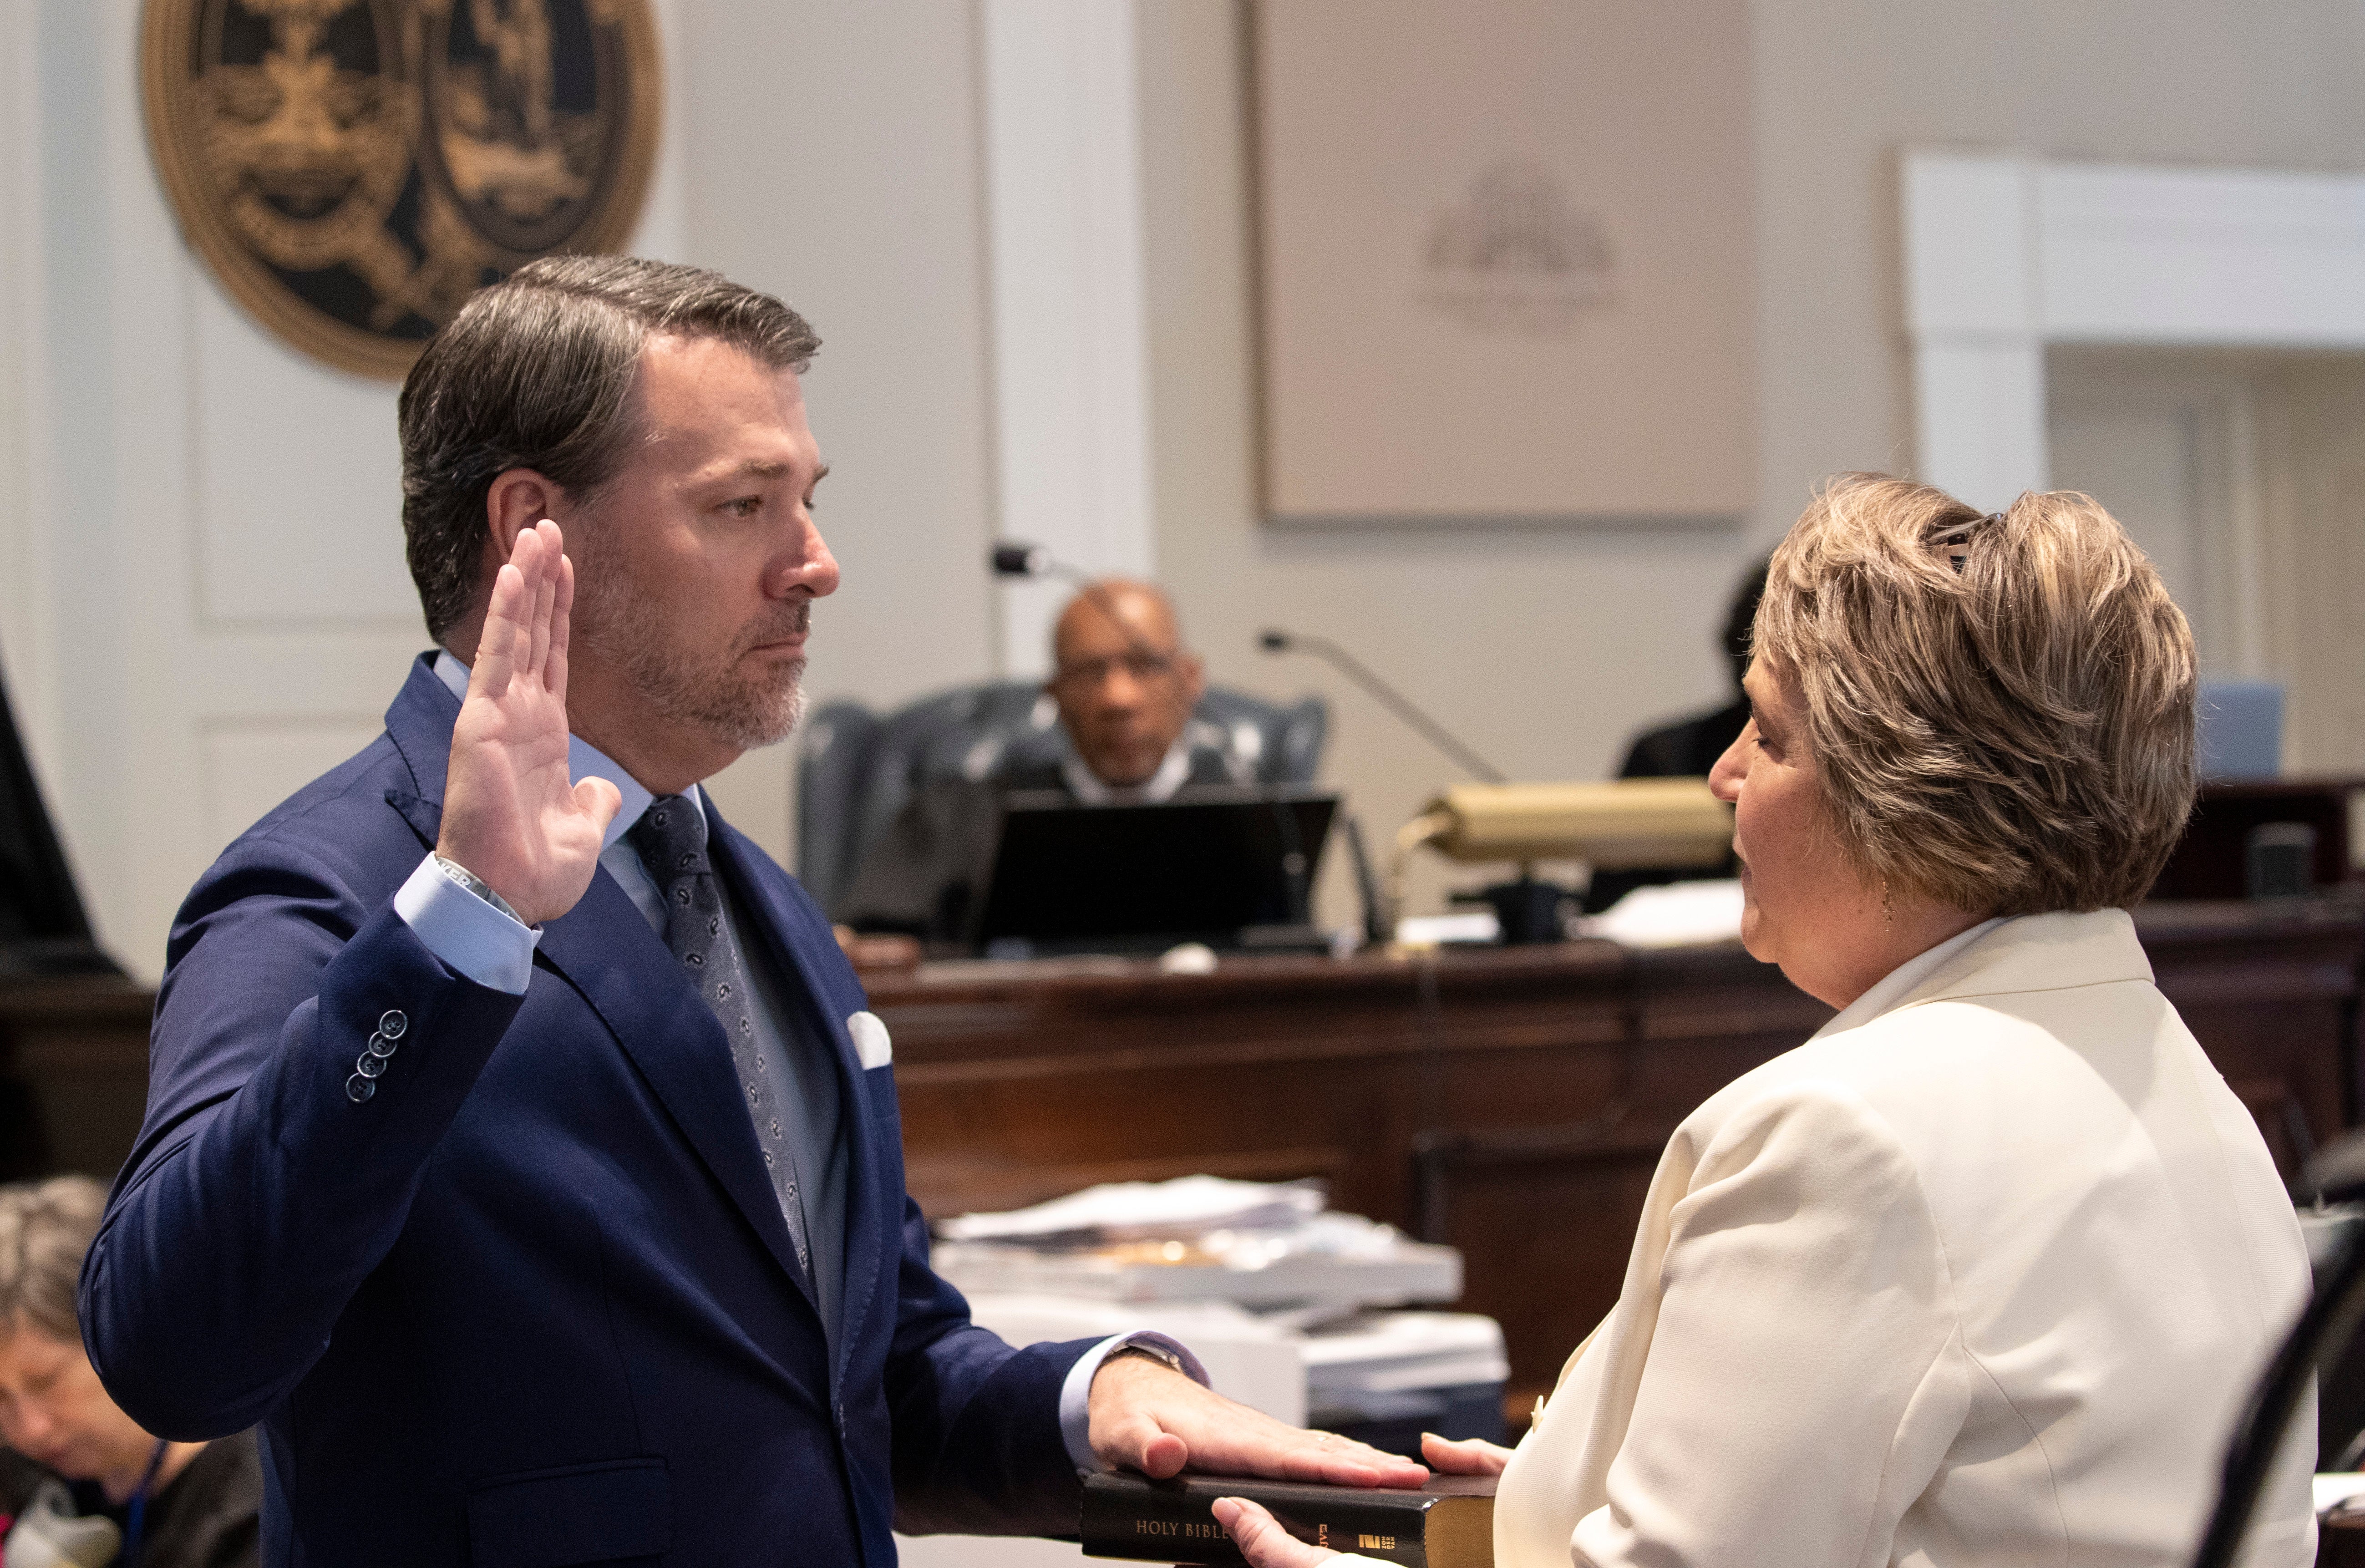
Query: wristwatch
x: 1159, y: 1353
x: 476, y: 885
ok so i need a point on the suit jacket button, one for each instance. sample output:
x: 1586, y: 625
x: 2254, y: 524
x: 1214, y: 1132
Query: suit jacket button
x: 391, y: 1023
x: 358, y: 1089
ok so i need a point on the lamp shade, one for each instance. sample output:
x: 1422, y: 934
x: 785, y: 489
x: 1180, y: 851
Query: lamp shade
x: 1632, y: 822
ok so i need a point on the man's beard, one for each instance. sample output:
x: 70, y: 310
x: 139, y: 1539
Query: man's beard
x: 744, y: 707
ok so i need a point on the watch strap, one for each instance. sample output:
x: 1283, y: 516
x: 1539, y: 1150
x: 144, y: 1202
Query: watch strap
x: 1150, y: 1352
x: 476, y: 885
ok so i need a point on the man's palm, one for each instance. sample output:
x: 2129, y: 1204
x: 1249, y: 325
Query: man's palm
x: 511, y: 814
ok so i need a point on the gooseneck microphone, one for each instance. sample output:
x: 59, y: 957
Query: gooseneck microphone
x: 1011, y: 559
x: 1276, y: 641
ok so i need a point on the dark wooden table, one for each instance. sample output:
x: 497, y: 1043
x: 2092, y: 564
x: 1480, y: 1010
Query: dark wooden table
x: 1511, y: 1101
x: 2340, y: 1543
x: 74, y: 1073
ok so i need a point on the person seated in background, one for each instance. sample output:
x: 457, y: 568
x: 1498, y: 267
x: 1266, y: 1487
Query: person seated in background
x: 1126, y: 685
x: 1688, y: 750
x: 80, y: 1478
x: 1986, y: 1270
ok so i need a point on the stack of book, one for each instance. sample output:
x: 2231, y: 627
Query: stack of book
x: 1383, y: 1378
x: 1261, y: 1245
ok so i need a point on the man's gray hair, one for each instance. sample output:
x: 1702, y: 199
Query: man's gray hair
x: 538, y: 372
x: 45, y: 1229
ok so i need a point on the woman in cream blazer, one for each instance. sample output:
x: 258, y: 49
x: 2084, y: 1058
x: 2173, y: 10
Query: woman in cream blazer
x: 1982, y: 1272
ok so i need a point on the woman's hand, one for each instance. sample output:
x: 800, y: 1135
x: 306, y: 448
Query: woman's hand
x: 1472, y: 1456
x: 1263, y: 1541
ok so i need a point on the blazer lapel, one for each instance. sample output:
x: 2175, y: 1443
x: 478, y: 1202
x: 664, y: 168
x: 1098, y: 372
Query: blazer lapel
x: 866, y: 1224
x: 603, y: 948
x: 419, y: 723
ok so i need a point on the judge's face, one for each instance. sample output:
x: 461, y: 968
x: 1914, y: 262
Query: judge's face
x: 53, y: 1411
x: 699, y: 563
x: 1124, y: 685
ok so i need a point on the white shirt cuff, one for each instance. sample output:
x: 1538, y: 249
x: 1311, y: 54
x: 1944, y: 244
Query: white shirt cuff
x: 1076, y: 1394
x: 466, y: 932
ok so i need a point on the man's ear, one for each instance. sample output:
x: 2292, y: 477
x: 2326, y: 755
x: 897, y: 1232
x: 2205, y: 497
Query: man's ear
x: 518, y: 498
x: 1194, y: 671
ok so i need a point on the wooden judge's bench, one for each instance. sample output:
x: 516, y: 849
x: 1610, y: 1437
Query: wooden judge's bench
x: 1512, y: 1102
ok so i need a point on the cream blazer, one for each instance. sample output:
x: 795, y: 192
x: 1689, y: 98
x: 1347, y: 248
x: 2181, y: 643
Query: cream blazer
x: 1982, y: 1273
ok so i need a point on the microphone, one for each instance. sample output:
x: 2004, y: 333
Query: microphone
x: 1273, y: 640
x: 1011, y: 559
x: 1014, y: 558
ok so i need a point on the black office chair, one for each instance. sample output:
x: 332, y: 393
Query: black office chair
x: 856, y: 769
x: 2336, y: 1309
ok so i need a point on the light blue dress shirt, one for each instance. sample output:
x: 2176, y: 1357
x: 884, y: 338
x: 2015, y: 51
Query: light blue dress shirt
x: 496, y: 951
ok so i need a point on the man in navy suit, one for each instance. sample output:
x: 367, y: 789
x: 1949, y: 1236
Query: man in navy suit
x: 520, y: 1152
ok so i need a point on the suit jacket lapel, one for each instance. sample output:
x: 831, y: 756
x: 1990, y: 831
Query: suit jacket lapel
x: 604, y: 948
x: 419, y: 722
x: 754, y: 874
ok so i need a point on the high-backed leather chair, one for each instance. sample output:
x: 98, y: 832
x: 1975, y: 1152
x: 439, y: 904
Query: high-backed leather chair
x: 856, y: 769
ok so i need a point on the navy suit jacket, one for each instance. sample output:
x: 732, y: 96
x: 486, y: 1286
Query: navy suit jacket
x: 533, y: 1302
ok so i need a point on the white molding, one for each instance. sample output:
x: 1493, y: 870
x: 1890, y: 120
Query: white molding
x: 2006, y: 253
x: 1968, y: 247
x: 1066, y: 298
x: 2243, y: 257
x: 1981, y: 412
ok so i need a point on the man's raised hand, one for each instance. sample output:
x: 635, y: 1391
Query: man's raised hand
x: 511, y: 814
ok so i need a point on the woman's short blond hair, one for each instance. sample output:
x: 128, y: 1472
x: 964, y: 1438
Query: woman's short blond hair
x: 1999, y: 706
x: 45, y: 1229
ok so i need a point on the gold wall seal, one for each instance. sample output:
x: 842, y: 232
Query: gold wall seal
x: 353, y: 169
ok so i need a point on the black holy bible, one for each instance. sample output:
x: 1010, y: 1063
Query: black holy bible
x: 1450, y: 1523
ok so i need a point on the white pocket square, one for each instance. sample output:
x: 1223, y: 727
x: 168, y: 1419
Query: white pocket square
x: 872, y: 1045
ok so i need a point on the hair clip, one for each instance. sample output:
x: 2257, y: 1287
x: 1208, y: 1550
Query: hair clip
x: 1957, y: 541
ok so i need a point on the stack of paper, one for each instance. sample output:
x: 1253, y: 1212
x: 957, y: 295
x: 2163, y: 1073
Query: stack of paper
x: 1381, y: 1366
x: 1131, y: 1211
x: 1680, y: 914
x: 1268, y: 1246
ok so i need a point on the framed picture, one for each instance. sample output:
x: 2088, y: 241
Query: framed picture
x: 1505, y: 263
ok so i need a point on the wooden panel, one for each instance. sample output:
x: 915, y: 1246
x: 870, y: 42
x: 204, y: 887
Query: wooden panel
x: 74, y: 1074
x: 1513, y: 1102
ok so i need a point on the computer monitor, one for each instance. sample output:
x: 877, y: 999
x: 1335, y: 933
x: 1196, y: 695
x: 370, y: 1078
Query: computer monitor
x: 2240, y: 729
x: 1218, y: 865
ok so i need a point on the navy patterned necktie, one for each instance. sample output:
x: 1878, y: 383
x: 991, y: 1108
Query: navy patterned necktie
x: 671, y: 838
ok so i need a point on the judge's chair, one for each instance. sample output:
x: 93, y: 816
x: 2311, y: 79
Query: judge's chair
x: 856, y: 769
